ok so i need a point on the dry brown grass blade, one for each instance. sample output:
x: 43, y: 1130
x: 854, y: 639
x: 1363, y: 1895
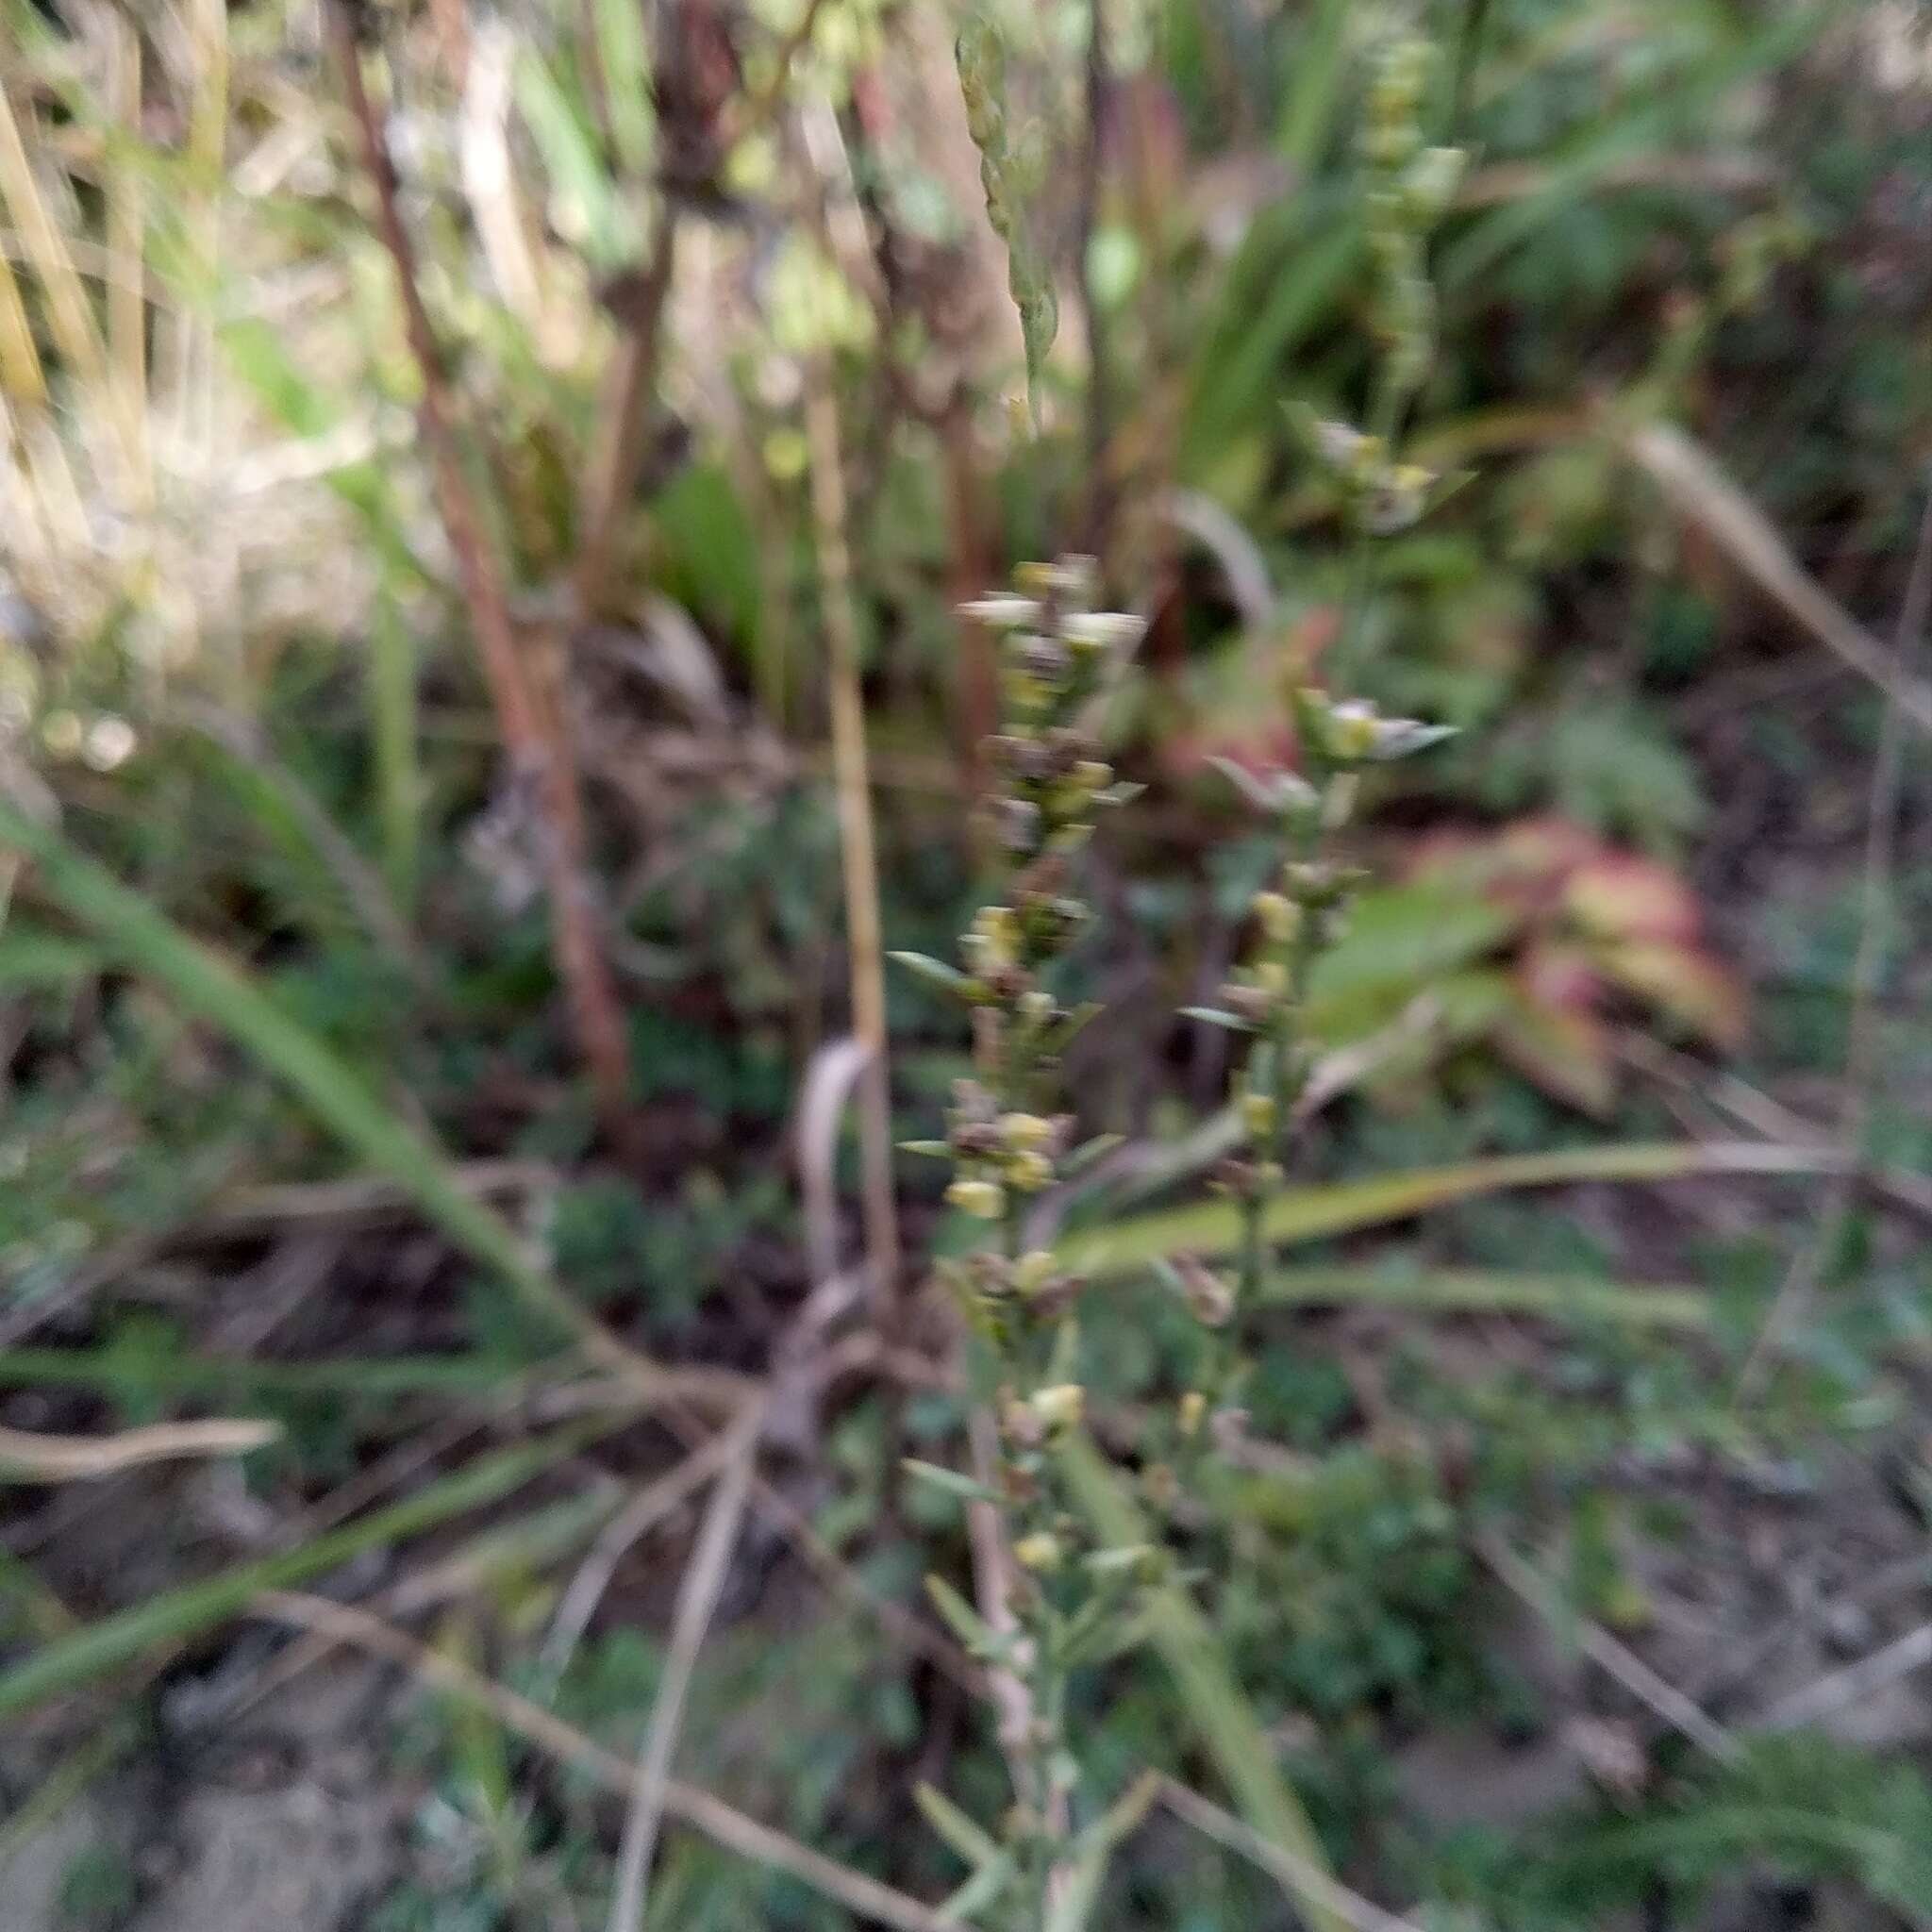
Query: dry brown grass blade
x: 697, y: 1601
x: 128, y: 244
x: 834, y: 1071
x: 1618, y: 1659
x: 1807, y: 1271
x: 275, y: 1207
x: 530, y: 724
x: 1699, y: 489
x: 722, y: 1823
x: 1301, y: 1879
x: 858, y: 846
x: 643, y: 1512
x: 27, y: 1456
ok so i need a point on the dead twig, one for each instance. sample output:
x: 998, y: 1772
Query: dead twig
x: 721, y: 1822
x: 265, y: 1207
x: 646, y: 1510
x: 532, y: 734
x: 834, y: 1071
x: 1838, y: 1689
x: 697, y: 1601
x: 1810, y: 1266
x: 1609, y: 1655
x: 1699, y: 489
x: 857, y: 843
x: 36, y: 1458
x: 1303, y: 1881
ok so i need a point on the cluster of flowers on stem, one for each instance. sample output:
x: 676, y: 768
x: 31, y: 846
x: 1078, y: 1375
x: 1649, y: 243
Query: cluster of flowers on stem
x: 1295, y: 918
x: 1007, y: 1142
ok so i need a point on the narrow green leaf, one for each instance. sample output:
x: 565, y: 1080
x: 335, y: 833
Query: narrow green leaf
x: 585, y: 204
x: 967, y: 1624
x: 400, y: 792
x: 625, y: 59
x: 935, y: 972
x: 974, y: 1846
x: 1315, y: 85
x: 950, y: 1480
x: 984, y: 1889
x: 1302, y: 1214
x: 122, y: 1374
x: 1094, y: 1847
x: 43, y: 962
x: 1485, y: 1291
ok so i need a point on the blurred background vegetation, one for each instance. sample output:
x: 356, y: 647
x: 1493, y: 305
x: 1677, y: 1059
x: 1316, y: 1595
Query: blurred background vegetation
x: 423, y: 931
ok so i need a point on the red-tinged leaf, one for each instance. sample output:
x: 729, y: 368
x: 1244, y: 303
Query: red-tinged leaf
x: 1619, y: 896
x: 1562, y: 976
x: 1686, y: 984
x: 1565, y: 1051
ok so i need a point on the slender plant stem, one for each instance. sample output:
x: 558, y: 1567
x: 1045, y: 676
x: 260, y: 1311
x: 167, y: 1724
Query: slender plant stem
x: 858, y: 852
x: 697, y: 1601
x: 531, y: 729
x: 1809, y: 1270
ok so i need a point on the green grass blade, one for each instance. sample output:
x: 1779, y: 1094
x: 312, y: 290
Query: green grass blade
x: 183, y: 1613
x: 123, y: 1373
x: 1238, y: 380
x: 1302, y: 1214
x: 625, y: 59
x: 400, y: 792
x: 1212, y: 1700
x: 1486, y: 1291
x: 222, y: 993
x: 1315, y: 87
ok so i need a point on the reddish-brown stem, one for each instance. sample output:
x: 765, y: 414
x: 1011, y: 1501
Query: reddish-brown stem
x: 630, y: 383
x: 527, y: 715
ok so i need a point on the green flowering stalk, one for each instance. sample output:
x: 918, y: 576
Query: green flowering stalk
x: 1408, y: 187
x: 1296, y: 917
x: 1071, y: 1600
x: 1012, y: 165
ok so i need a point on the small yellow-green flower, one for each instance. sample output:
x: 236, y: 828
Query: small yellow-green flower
x: 984, y: 1199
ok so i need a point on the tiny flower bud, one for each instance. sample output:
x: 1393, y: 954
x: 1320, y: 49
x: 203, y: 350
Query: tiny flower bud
x: 1193, y: 1408
x: 1430, y: 182
x: 1033, y: 1270
x: 985, y: 1199
x: 61, y: 733
x: 1257, y: 1114
x: 1002, y: 611
x: 1279, y: 917
x: 1060, y: 1405
x: 1030, y: 1173
x: 1039, y: 1552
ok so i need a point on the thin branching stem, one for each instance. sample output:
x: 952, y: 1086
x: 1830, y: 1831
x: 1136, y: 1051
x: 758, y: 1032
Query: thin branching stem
x: 531, y: 724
